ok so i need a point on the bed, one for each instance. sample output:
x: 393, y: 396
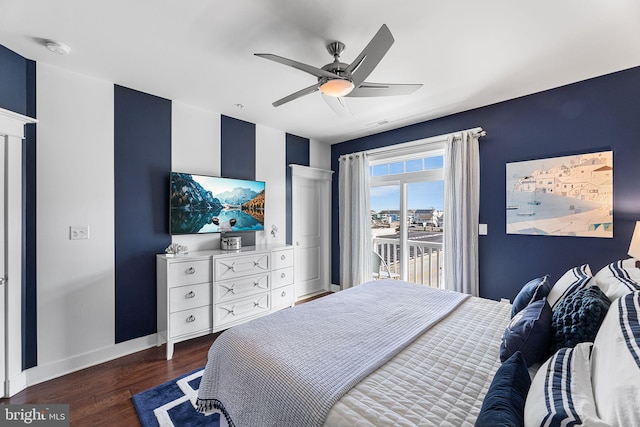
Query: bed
x: 429, y: 357
x: 394, y: 353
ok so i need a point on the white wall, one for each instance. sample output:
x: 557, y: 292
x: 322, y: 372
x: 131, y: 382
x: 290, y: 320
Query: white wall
x: 271, y: 144
x: 195, y: 148
x: 76, y: 278
x: 319, y: 155
x: 75, y: 291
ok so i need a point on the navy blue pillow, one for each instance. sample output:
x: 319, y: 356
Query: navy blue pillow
x: 528, y: 332
x: 534, y: 290
x: 578, y: 317
x: 504, y: 403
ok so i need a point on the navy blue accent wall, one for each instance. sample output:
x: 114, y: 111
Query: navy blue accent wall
x: 238, y: 156
x: 237, y: 148
x: 18, y: 94
x: 592, y: 115
x: 297, y: 153
x: 29, y: 300
x: 142, y: 162
x: 13, y: 81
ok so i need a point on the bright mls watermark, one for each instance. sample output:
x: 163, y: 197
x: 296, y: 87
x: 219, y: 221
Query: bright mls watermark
x: 34, y: 415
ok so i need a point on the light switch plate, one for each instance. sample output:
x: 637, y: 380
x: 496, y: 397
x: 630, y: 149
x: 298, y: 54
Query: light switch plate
x: 482, y: 229
x: 78, y: 232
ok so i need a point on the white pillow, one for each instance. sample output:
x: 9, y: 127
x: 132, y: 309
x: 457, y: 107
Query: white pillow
x: 560, y: 393
x: 615, y: 363
x: 571, y: 281
x: 619, y: 278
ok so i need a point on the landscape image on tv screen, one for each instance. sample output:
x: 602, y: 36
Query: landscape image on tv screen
x: 208, y: 204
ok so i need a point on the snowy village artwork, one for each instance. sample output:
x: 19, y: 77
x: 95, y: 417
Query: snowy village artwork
x: 561, y: 196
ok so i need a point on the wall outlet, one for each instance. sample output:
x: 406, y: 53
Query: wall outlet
x: 482, y: 229
x: 78, y: 232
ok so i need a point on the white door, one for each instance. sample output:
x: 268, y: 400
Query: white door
x: 311, y: 211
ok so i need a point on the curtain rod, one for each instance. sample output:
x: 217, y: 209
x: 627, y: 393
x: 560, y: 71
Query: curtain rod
x: 479, y: 132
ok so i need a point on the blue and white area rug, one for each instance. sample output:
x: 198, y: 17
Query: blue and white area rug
x: 173, y: 404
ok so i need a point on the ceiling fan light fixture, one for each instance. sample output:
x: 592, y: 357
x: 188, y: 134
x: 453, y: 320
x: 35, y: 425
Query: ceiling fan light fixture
x: 337, y: 87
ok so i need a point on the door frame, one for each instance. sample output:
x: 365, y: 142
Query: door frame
x: 323, y: 179
x: 12, y: 133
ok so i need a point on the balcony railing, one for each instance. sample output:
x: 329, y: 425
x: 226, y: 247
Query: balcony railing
x: 425, y: 259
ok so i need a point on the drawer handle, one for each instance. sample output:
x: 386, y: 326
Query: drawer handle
x: 191, y: 318
x: 283, y: 257
x: 191, y: 270
x: 191, y: 295
x: 283, y: 275
x: 283, y: 294
x: 230, y: 289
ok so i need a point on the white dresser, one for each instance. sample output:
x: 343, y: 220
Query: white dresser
x: 209, y: 291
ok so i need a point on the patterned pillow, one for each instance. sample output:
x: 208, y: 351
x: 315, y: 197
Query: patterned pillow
x: 615, y: 363
x: 571, y: 281
x: 534, y: 290
x: 619, y: 278
x: 504, y: 403
x: 560, y: 393
x: 529, y: 332
x: 577, y: 318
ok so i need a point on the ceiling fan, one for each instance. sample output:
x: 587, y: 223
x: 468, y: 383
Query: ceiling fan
x: 337, y: 79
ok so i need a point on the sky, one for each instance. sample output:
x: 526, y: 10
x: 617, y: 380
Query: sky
x: 422, y: 195
x: 219, y: 185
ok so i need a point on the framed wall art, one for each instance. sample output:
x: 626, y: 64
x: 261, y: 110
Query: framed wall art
x: 561, y: 196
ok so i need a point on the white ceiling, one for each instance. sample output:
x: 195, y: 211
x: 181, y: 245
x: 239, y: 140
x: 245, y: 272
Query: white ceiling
x: 467, y: 53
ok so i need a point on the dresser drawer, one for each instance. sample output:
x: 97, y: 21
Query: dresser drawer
x: 241, y: 287
x: 189, y: 321
x: 282, y: 297
x: 190, y: 296
x: 281, y: 277
x: 189, y: 272
x: 243, y: 308
x: 282, y: 259
x: 231, y: 267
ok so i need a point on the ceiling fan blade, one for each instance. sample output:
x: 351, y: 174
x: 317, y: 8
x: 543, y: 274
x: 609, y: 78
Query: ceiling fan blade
x: 383, y: 89
x: 298, y: 94
x: 364, y: 63
x: 338, y: 105
x: 315, y: 71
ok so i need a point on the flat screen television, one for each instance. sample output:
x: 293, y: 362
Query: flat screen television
x: 210, y: 204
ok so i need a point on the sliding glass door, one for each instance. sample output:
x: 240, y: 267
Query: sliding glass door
x: 407, y: 200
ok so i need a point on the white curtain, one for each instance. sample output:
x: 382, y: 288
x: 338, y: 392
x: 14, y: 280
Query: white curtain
x: 461, y: 211
x: 355, y: 220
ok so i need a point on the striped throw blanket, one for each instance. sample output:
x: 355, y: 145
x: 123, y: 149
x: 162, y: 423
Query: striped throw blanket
x: 289, y: 368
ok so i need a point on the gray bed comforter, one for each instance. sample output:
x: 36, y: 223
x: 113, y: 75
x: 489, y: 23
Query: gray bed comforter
x: 289, y: 368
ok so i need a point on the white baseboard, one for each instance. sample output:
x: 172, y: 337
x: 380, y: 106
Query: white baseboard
x: 41, y: 373
x: 15, y: 385
x: 335, y: 288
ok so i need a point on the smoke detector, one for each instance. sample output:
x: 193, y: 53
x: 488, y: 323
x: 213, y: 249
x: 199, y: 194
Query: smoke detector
x: 57, y: 47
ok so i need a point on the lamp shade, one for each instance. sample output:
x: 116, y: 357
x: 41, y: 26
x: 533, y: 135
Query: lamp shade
x: 337, y: 87
x: 634, y: 247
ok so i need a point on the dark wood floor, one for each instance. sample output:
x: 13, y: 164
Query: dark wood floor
x: 101, y: 395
